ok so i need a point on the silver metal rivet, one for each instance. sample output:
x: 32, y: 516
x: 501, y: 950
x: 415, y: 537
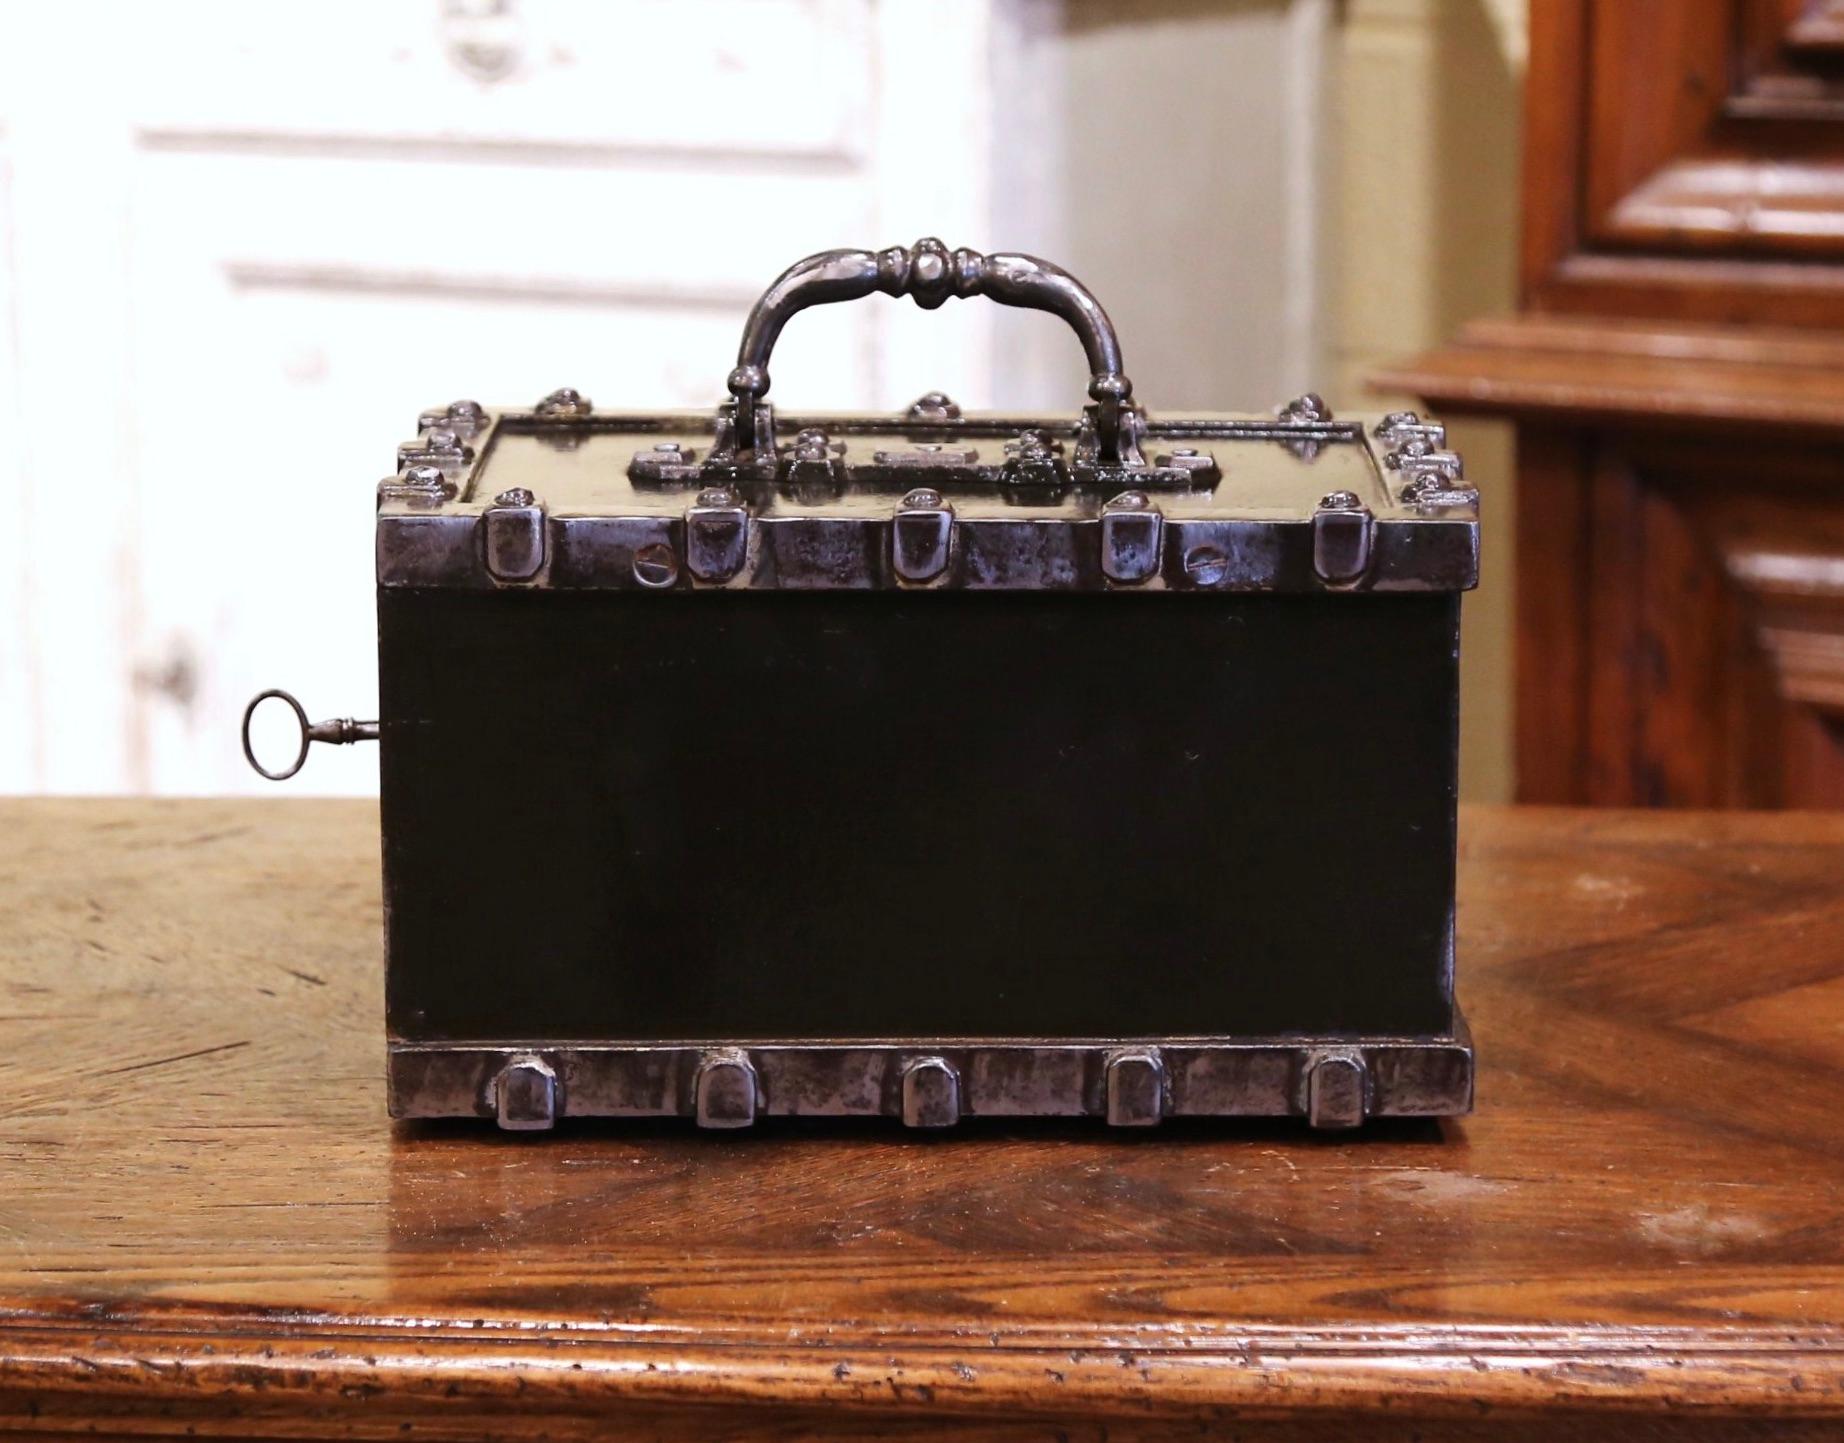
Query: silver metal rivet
x: 716, y: 535
x: 1136, y: 1088
x: 517, y: 496
x: 467, y: 411
x: 671, y: 448
x: 1343, y: 535
x: 1308, y: 408
x: 1337, y: 1086
x: 725, y: 1090
x: 656, y: 565
x: 565, y: 401
x: 525, y: 1095
x: 931, y: 1093
x: 921, y: 535
x: 1132, y: 538
x: 933, y: 406
x: 1184, y: 450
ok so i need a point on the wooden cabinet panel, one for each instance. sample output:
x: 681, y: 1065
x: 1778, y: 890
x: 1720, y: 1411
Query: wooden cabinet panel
x: 1680, y: 556
x: 1677, y: 375
x: 1670, y: 140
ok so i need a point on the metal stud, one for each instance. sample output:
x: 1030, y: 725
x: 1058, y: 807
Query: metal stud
x: 933, y: 406
x: 1034, y: 459
x: 565, y: 403
x: 420, y: 485
x: 1307, y: 410
x: 716, y: 535
x: 1202, y: 465
x: 526, y: 1095
x: 814, y: 464
x: 439, y: 446
x: 514, y: 530
x: 1136, y: 1088
x: 725, y: 1091
x: 812, y: 444
x: 931, y: 1093
x: 1337, y: 1089
x: 1132, y: 529
x: 1342, y: 532
x: 1399, y: 427
x: 462, y: 417
x: 921, y: 535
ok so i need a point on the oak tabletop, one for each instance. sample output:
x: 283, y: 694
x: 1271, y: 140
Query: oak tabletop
x: 208, y: 1225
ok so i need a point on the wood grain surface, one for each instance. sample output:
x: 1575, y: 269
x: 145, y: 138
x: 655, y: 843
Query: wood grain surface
x: 208, y: 1225
x: 1581, y: 369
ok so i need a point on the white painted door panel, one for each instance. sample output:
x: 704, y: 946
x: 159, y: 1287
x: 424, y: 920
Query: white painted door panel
x: 254, y: 241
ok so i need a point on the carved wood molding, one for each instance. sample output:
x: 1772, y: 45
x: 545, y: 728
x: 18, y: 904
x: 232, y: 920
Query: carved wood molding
x: 1796, y: 600
x: 1600, y: 369
x: 1667, y: 140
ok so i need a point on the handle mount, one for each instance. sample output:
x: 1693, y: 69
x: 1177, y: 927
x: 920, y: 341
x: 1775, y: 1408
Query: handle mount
x: 931, y: 274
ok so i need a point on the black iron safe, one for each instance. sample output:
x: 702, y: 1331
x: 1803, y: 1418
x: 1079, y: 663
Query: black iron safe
x: 926, y: 765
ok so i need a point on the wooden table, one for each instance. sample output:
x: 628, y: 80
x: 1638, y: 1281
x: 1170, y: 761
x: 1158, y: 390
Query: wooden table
x: 207, y: 1224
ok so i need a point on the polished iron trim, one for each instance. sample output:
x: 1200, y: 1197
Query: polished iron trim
x: 1196, y: 1077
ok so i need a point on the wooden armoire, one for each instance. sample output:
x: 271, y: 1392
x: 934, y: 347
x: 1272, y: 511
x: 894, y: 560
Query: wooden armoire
x: 1676, y: 375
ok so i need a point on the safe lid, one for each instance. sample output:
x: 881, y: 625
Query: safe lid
x: 1115, y: 498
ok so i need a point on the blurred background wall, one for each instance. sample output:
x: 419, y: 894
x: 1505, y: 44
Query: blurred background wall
x: 242, y: 246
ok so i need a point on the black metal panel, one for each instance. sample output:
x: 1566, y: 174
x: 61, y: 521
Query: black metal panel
x: 772, y: 815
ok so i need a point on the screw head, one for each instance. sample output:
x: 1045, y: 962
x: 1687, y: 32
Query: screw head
x: 1184, y: 450
x: 1206, y: 565
x: 1310, y: 407
x: 423, y: 475
x: 656, y: 565
x: 1339, y: 501
x: 923, y: 498
x: 1129, y: 501
x: 717, y: 496
x: 517, y: 496
x: 670, y: 448
x: 469, y: 413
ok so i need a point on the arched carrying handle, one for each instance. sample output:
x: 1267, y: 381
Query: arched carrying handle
x: 930, y: 273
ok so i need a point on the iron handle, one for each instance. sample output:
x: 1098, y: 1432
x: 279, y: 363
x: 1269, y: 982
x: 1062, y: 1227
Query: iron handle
x: 931, y: 274
x: 338, y: 731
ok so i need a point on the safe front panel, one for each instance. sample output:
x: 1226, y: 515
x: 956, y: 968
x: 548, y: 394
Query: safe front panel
x: 744, y: 815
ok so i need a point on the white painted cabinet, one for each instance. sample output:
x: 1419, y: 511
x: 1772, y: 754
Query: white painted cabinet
x: 256, y: 241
